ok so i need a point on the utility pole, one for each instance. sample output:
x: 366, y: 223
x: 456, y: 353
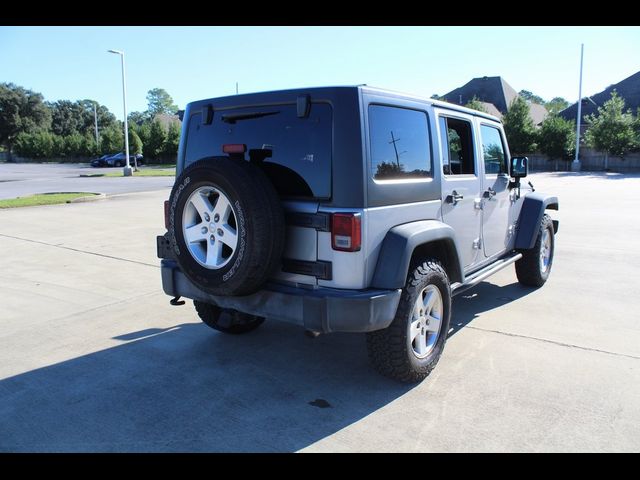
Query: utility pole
x: 236, y: 88
x: 393, y: 141
x: 575, y: 165
x: 95, y: 121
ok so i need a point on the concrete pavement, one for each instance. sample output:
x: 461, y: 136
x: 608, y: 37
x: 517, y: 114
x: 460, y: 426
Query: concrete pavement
x: 20, y: 179
x: 93, y: 357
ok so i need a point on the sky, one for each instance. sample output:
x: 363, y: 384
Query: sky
x: 193, y: 63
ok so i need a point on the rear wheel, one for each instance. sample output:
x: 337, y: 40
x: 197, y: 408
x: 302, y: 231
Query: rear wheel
x: 534, y: 267
x: 411, y: 346
x: 227, y: 320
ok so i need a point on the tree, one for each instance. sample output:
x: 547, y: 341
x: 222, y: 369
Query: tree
x: 78, y: 117
x: 476, y: 104
x: 532, y: 97
x: 519, y: 128
x: 66, y: 117
x: 612, y: 130
x: 138, y: 118
x: 144, y: 132
x: 557, y: 138
x: 135, y: 144
x: 21, y: 110
x: 112, y: 139
x: 172, y: 141
x: 160, y: 102
x: 157, y: 137
x: 556, y: 104
x: 435, y: 96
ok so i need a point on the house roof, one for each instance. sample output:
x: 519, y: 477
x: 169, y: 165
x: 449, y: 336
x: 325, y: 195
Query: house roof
x: 495, y: 94
x: 628, y: 89
x: 487, y: 89
x: 537, y: 113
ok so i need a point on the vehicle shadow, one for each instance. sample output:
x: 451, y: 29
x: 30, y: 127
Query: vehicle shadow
x: 485, y: 296
x: 189, y: 388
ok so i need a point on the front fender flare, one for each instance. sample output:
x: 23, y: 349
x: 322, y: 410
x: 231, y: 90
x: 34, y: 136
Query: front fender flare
x: 531, y: 214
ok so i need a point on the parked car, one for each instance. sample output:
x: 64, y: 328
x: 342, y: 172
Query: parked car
x: 101, y: 161
x: 120, y: 159
x: 365, y: 211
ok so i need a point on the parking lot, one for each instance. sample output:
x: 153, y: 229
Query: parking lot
x: 93, y: 357
x: 20, y: 179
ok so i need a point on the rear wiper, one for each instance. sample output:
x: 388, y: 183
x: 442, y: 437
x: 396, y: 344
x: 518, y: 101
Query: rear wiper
x: 234, y: 117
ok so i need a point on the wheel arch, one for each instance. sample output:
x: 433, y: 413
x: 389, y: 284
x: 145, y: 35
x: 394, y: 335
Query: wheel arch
x: 533, y: 209
x: 404, y: 244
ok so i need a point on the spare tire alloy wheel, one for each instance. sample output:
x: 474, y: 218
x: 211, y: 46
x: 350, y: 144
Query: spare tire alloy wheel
x: 210, y: 227
x: 226, y: 226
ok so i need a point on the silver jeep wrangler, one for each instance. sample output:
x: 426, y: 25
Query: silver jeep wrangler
x: 347, y: 209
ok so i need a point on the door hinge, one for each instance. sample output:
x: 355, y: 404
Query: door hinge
x: 477, y: 203
x: 477, y: 244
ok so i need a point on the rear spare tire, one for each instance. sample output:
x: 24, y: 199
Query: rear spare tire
x: 226, y: 226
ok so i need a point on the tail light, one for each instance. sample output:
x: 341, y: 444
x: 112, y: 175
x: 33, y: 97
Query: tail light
x: 166, y: 214
x: 346, y: 232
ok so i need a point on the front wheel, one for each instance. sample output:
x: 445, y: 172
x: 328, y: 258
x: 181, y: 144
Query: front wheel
x: 409, y: 348
x: 534, y: 267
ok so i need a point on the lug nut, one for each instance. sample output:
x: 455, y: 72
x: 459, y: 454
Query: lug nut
x: 206, y: 217
x: 216, y: 218
x: 204, y: 230
x: 212, y: 238
x: 220, y: 232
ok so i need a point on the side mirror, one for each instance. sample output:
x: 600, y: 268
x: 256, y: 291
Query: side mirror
x: 519, y: 167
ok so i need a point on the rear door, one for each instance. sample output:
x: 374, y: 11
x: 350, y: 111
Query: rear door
x: 461, y: 204
x: 295, y: 152
x: 496, y: 200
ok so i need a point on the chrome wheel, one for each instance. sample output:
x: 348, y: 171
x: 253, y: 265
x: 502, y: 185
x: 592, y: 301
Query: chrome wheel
x: 210, y: 228
x: 545, y: 250
x: 425, y: 321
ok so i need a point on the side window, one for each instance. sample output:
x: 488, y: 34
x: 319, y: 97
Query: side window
x: 399, y: 143
x: 495, y: 160
x: 457, y: 146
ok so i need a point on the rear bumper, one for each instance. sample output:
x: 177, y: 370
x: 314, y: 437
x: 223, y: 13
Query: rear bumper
x: 321, y: 309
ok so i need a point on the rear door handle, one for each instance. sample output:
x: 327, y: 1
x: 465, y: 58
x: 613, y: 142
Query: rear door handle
x: 489, y: 193
x: 454, y: 198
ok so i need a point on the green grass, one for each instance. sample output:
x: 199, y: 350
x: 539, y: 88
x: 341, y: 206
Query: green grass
x: 42, y: 199
x: 146, y: 172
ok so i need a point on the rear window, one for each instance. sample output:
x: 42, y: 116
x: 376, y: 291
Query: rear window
x: 300, y: 162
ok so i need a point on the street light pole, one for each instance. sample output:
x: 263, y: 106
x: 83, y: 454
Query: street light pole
x: 575, y: 165
x: 127, y: 169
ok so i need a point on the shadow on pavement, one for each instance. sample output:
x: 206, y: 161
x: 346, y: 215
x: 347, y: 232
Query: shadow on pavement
x: 486, y: 296
x: 189, y: 388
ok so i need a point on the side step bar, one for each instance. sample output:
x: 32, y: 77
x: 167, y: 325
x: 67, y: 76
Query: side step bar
x: 476, y: 277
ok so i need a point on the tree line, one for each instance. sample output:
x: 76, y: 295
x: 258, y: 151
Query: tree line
x: 31, y: 127
x: 613, y: 130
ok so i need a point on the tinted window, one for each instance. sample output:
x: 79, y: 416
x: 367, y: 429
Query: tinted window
x: 300, y: 162
x: 457, y: 147
x: 399, y: 143
x: 495, y: 160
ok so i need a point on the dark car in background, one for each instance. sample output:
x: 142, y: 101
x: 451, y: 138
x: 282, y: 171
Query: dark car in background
x: 120, y: 160
x: 101, y: 161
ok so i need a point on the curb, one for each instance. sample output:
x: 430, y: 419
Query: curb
x: 89, y: 198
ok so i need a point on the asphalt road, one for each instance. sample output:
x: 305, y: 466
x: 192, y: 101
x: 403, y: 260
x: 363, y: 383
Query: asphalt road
x: 20, y: 179
x: 93, y: 357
